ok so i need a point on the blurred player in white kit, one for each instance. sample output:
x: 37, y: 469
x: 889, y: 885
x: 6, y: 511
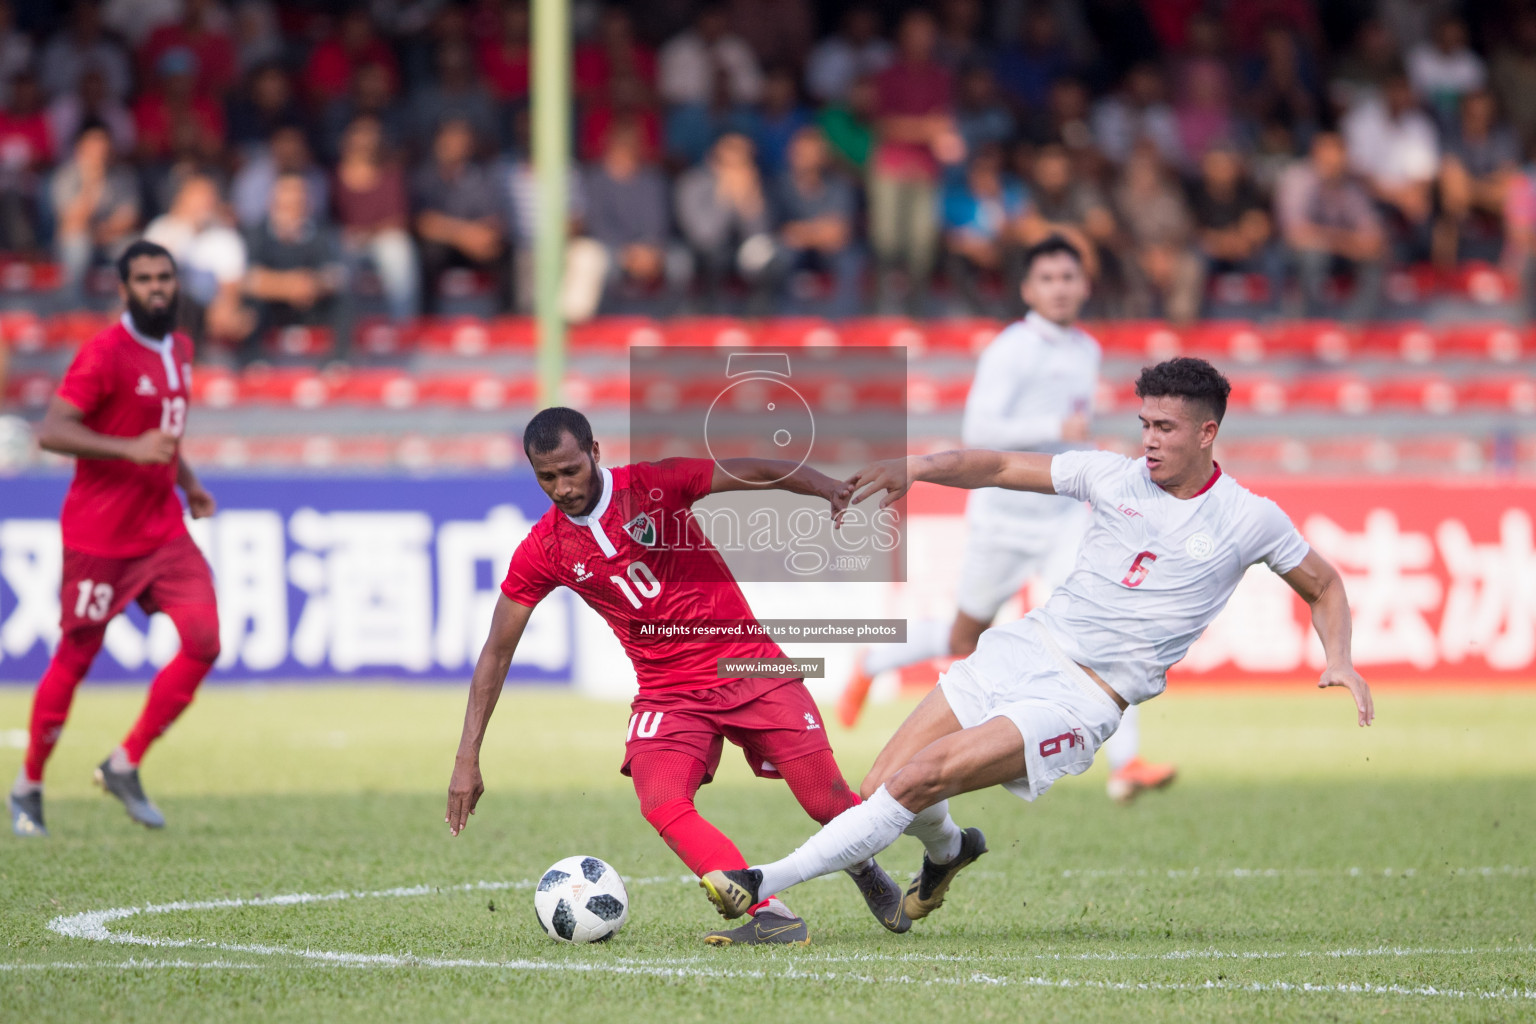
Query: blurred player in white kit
x: 1033, y: 391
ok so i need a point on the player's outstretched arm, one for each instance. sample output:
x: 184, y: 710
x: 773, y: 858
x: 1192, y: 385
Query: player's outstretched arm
x: 966, y: 468
x: 1320, y: 586
x: 778, y: 475
x: 63, y: 430
x: 199, y: 502
x: 465, y: 787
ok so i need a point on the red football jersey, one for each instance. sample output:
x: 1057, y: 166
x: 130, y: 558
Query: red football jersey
x: 625, y: 565
x: 126, y: 385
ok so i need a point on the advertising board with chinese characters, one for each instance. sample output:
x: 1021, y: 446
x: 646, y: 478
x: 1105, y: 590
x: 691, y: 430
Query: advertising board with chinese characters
x: 317, y: 578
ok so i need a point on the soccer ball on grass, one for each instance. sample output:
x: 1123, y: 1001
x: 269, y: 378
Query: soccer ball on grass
x: 581, y: 899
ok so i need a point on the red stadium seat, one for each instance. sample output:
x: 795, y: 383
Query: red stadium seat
x: 961, y: 337
x: 1221, y: 340
x: 25, y: 276
x: 214, y: 387
x: 1500, y: 394
x: 1310, y: 339
x: 1495, y: 342
x: 381, y: 337
x: 1331, y: 393
x: 23, y: 331
x: 298, y: 340
x: 1263, y: 395
x: 885, y: 332
x: 797, y: 332
x: 708, y: 332
x: 615, y: 334
x: 294, y: 386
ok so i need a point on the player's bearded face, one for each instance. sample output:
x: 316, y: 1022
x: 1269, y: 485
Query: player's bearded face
x: 152, y: 299
x: 570, y: 477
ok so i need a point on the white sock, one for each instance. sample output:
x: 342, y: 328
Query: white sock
x: 938, y: 833
x: 1122, y: 746
x: 854, y: 836
x: 119, y: 762
x: 774, y: 905
x: 24, y: 786
x: 926, y: 638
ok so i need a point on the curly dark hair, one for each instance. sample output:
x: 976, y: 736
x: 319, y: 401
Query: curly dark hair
x: 547, y: 430
x: 1191, y: 379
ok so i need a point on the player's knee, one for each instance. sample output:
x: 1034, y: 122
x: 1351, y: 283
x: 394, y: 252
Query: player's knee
x: 199, y: 632
x: 919, y: 784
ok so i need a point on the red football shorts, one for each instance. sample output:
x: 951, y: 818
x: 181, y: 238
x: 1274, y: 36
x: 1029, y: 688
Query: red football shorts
x: 771, y: 720
x: 96, y: 588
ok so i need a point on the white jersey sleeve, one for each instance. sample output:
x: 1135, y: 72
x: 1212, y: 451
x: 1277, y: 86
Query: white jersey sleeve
x: 1272, y: 538
x: 1081, y: 475
x: 1029, y: 381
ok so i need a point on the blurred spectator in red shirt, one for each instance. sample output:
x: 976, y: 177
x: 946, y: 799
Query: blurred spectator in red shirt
x: 1247, y: 19
x: 504, y: 57
x: 626, y: 105
x: 176, y: 106
x: 197, y: 31
x: 916, y: 131
x: 25, y: 151
x: 614, y: 53
x: 373, y: 212
x: 1204, y: 112
x: 336, y: 57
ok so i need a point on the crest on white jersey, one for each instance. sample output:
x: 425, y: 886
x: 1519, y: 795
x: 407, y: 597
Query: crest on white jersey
x: 1200, y: 546
x: 145, y: 386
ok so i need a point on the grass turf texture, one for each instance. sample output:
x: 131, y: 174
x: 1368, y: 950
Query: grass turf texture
x: 1389, y: 869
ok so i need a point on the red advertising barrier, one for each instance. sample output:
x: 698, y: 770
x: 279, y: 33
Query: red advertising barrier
x: 1441, y: 577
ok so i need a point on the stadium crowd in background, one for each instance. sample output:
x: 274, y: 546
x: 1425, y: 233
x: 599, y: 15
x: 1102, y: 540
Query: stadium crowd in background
x: 769, y: 155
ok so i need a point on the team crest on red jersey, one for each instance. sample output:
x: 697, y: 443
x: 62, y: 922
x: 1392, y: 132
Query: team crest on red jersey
x: 643, y: 529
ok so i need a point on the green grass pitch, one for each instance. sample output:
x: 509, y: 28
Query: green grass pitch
x: 1300, y: 869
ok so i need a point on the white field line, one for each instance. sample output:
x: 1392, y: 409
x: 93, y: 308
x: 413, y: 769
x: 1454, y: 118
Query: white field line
x: 1503, y: 870
x: 92, y: 925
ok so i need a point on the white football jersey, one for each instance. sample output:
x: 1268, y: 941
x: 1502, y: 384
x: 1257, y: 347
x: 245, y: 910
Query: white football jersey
x: 1153, y: 570
x: 1032, y: 377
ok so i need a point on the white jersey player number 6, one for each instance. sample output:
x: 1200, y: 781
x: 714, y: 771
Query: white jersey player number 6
x: 644, y: 581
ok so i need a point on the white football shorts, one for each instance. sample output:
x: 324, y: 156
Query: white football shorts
x: 1021, y: 675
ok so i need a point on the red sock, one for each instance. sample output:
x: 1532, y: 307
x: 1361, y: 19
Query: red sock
x: 818, y: 784
x: 176, y: 684
x: 56, y: 691
x: 665, y: 782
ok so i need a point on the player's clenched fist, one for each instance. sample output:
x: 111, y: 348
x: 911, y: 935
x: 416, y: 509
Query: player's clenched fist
x: 464, y: 792
x: 200, y: 503
x: 154, y: 447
